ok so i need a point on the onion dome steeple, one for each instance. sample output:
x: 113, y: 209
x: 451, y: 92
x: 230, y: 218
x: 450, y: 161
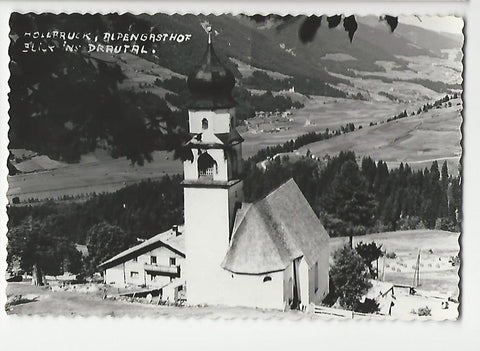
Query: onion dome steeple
x: 211, y: 84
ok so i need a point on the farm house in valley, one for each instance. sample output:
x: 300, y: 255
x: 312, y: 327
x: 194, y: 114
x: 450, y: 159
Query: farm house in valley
x: 154, y: 263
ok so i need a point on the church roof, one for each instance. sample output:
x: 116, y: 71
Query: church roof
x: 230, y: 138
x: 211, y: 84
x: 269, y: 234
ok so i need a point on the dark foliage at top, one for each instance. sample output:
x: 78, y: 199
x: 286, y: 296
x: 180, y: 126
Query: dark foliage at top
x: 65, y: 104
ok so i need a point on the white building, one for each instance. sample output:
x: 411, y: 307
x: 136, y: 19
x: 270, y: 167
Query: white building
x: 154, y: 263
x: 270, y: 254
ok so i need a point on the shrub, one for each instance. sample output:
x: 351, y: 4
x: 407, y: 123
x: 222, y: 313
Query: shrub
x: 350, y: 277
x: 391, y: 255
x: 424, y: 311
x: 368, y: 306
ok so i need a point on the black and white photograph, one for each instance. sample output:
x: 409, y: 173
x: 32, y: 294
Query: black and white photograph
x: 235, y: 166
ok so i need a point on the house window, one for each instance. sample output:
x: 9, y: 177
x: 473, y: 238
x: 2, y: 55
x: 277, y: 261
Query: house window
x: 204, y: 123
x: 316, y: 276
x: 133, y: 274
x: 173, y: 261
x: 267, y: 279
x: 153, y: 259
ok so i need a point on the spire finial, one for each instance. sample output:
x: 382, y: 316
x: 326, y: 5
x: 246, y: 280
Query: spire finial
x: 208, y: 28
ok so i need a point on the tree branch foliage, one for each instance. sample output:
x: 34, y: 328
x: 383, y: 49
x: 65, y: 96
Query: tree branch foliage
x: 350, y: 277
x: 311, y: 24
x: 64, y: 104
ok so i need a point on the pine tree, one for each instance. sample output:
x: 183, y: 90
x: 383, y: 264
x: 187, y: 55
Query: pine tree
x: 349, y: 276
x: 348, y: 198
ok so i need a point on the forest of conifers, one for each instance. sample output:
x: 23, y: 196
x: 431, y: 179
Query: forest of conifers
x: 350, y: 199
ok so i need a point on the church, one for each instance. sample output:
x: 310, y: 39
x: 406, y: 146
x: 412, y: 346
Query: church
x: 269, y: 254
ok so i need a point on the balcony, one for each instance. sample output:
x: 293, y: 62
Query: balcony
x: 164, y: 270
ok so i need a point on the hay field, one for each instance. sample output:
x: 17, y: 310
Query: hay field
x: 437, y: 275
x: 96, y: 172
x: 321, y: 112
x: 418, y: 140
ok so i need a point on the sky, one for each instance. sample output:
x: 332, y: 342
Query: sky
x: 449, y: 24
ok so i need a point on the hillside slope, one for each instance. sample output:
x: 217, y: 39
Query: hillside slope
x: 416, y: 140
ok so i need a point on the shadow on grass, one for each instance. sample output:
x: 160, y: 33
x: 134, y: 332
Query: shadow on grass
x: 18, y: 300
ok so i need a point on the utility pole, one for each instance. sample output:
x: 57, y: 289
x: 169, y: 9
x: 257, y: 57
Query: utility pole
x: 416, y: 273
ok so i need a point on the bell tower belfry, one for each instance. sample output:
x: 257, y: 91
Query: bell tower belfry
x: 212, y: 185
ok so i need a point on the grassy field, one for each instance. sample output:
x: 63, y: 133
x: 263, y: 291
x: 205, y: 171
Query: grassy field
x: 437, y: 275
x: 418, y: 140
x: 319, y: 113
x: 96, y: 172
x: 42, y: 301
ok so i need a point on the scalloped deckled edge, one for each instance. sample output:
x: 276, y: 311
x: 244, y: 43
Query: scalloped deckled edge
x: 286, y: 317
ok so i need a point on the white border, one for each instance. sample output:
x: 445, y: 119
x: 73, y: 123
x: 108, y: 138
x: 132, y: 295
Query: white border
x: 34, y: 333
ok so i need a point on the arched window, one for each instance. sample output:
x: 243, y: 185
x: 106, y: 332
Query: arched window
x: 204, y: 123
x: 207, y: 166
x: 267, y: 279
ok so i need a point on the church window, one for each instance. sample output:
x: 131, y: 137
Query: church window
x: 267, y: 279
x: 316, y: 276
x: 207, y: 166
x: 204, y: 123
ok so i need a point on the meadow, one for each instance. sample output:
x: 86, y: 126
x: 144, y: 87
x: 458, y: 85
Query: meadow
x: 417, y: 140
x: 437, y: 275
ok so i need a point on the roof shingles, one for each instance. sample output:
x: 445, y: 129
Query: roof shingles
x: 271, y: 233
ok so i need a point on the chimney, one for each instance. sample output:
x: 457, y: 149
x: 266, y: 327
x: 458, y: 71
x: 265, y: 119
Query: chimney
x: 175, y: 230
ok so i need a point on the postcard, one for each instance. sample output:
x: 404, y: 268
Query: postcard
x: 293, y: 167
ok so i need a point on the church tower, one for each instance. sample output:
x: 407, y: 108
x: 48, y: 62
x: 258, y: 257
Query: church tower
x: 212, y: 184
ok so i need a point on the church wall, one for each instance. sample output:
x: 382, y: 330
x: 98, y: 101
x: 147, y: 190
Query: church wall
x: 288, y: 284
x: 252, y: 291
x: 242, y: 290
x: 218, y: 121
x: 316, y: 297
x: 190, y: 168
x: 235, y: 195
x: 207, y: 239
x: 304, y: 280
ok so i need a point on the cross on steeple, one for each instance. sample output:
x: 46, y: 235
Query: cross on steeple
x: 207, y: 27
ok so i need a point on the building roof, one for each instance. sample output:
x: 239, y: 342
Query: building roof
x: 224, y: 139
x: 233, y: 137
x: 269, y: 234
x: 169, y: 239
x: 211, y: 84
